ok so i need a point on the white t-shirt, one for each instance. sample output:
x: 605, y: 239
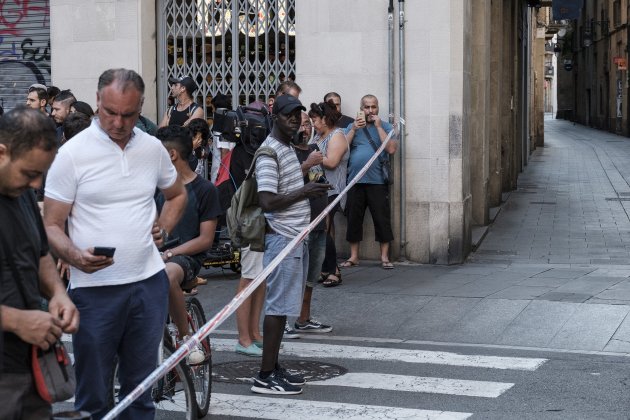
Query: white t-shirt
x: 283, y: 178
x: 111, y: 191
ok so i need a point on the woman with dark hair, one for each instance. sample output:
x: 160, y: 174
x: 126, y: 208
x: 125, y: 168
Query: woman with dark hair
x: 336, y: 150
x: 200, y: 133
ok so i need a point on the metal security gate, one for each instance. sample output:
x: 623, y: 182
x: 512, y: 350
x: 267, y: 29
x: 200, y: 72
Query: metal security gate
x: 24, y: 49
x: 239, y: 48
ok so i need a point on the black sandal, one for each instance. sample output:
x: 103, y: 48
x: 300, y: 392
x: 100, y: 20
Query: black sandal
x: 332, y: 281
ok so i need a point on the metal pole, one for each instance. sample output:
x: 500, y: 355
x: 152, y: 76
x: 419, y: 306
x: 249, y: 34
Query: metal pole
x: 401, y: 98
x: 390, y: 61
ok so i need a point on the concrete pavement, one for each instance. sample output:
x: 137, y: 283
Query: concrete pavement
x: 551, y: 273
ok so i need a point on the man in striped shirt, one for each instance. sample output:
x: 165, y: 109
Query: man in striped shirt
x: 284, y: 199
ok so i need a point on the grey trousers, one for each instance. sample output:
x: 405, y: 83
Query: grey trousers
x: 20, y: 400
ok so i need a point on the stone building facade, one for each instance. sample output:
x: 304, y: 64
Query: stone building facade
x: 470, y: 83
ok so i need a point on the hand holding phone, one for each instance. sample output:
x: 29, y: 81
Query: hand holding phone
x: 104, y: 251
x: 360, y: 121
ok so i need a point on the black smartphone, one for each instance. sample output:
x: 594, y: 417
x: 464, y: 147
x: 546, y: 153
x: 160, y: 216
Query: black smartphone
x: 104, y: 250
x: 171, y: 243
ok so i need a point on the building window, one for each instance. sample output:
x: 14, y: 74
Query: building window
x: 617, y: 13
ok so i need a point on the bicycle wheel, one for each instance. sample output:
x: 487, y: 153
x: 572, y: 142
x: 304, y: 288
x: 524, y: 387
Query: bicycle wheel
x: 175, y: 390
x: 201, y: 374
x: 172, y: 392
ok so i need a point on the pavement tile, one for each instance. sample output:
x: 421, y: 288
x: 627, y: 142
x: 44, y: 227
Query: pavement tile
x: 486, y: 321
x: 588, y: 285
x: 547, y: 317
x: 565, y: 297
x: 480, y: 288
x: 590, y: 327
x: 436, y: 317
x: 620, y: 341
x: 564, y: 273
x: 521, y: 292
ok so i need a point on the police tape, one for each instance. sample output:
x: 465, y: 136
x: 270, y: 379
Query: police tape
x: 229, y: 309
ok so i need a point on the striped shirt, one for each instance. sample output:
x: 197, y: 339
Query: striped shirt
x: 283, y: 178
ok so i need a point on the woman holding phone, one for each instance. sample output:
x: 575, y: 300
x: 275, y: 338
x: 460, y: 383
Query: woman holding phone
x: 336, y: 150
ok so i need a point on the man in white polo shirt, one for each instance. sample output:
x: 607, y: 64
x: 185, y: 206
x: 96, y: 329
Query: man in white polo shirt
x: 103, y: 184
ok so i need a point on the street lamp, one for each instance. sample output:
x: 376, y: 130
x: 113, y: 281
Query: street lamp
x: 587, y: 34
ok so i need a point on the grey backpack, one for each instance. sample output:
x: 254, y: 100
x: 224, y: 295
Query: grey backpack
x: 245, y: 219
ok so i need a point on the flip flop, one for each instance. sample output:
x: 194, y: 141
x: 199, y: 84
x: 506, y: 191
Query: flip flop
x: 332, y: 281
x: 192, y: 292
x: 348, y: 264
x: 387, y: 265
x: 201, y: 281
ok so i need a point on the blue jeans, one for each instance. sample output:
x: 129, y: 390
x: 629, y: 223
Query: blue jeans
x: 128, y: 321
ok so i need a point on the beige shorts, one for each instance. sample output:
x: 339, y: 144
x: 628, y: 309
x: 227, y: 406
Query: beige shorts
x: 251, y: 263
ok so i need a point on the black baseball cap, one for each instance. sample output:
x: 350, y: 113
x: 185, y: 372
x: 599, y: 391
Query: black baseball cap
x: 185, y: 81
x: 284, y: 104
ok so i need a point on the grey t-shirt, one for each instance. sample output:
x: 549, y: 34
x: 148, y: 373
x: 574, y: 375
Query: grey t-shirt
x: 283, y: 177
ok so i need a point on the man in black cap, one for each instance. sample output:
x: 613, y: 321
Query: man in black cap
x: 185, y: 109
x: 285, y: 200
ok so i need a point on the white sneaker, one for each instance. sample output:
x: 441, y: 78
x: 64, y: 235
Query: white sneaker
x: 196, y: 355
x: 290, y: 332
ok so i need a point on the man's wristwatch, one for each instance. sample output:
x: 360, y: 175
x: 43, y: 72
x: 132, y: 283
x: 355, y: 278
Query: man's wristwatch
x: 169, y: 254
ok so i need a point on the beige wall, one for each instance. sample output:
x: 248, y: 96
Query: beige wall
x: 88, y: 37
x: 349, y: 55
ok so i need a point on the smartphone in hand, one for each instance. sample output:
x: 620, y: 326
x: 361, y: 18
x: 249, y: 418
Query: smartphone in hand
x: 104, y: 250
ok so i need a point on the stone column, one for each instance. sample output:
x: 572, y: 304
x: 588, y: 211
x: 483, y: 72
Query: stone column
x: 508, y: 99
x: 496, y: 89
x: 480, y: 109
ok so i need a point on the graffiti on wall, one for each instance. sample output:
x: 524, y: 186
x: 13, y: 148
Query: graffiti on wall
x: 24, y: 48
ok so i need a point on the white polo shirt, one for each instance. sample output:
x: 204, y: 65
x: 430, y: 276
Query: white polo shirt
x: 111, y: 191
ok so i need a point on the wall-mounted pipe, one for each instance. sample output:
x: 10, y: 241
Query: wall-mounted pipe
x: 401, y: 110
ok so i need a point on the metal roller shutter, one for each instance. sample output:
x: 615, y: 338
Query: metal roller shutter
x: 24, y: 49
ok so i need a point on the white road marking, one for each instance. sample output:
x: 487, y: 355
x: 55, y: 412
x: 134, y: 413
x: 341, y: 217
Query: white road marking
x: 332, y: 351
x: 418, y: 384
x: 286, y: 408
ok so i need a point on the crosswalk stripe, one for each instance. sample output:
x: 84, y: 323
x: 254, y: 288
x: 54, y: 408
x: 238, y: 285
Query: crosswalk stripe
x: 327, y: 351
x: 418, y: 384
x: 283, y: 408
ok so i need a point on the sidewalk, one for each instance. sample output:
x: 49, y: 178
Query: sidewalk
x: 552, y: 271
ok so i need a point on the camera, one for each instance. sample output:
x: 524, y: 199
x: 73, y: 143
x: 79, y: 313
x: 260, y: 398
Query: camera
x: 249, y: 126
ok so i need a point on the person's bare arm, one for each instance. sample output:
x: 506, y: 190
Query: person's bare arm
x: 32, y: 326
x: 174, y: 205
x: 198, y: 113
x: 314, y: 158
x: 337, y: 147
x: 55, y: 216
x: 165, y: 120
x: 392, y: 145
x: 60, y: 305
x: 201, y: 243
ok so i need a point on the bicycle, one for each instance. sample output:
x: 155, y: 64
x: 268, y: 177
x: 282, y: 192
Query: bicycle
x: 185, y: 388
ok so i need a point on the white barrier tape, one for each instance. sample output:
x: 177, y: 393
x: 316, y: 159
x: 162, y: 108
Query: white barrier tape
x: 228, y: 309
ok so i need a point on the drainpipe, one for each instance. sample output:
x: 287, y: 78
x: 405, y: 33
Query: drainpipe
x: 390, y: 60
x: 401, y: 86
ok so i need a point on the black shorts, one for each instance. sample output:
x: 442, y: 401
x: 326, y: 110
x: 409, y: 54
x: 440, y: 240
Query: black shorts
x: 376, y: 198
x: 190, y: 265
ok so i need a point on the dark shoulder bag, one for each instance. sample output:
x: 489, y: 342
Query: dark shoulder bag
x: 52, y: 371
x: 386, y: 169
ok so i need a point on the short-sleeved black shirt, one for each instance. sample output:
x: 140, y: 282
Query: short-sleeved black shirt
x: 202, y: 205
x: 23, y: 234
